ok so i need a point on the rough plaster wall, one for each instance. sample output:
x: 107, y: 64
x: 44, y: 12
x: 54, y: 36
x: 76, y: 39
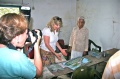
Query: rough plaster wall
x: 49, y: 8
x: 101, y: 16
x: 102, y: 20
x: 44, y: 10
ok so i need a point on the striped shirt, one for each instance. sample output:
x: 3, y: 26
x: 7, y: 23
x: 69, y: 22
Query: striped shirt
x: 112, y: 69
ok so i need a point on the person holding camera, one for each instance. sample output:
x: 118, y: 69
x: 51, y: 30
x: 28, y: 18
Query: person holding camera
x: 49, y: 41
x: 13, y: 35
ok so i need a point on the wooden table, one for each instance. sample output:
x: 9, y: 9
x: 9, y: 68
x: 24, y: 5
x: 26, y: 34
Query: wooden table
x: 93, y: 59
x: 102, y: 59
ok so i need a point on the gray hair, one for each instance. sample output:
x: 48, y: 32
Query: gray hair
x: 81, y: 17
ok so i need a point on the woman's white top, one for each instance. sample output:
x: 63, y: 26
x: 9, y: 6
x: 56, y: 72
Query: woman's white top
x: 53, y: 38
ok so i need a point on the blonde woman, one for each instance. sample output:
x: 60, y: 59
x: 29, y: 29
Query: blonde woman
x: 49, y: 41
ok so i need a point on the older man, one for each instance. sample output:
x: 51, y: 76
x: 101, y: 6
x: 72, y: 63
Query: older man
x: 79, y: 39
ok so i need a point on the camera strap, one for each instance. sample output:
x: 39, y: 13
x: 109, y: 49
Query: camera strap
x: 10, y: 46
x: 31, y: 47
x: 35, y: 35
x: 29, y: 50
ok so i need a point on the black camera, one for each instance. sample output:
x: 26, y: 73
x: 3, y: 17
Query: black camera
x: 34, y: 34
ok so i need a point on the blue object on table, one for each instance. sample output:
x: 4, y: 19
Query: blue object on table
x: 76, y: 62
x: 85, y: 60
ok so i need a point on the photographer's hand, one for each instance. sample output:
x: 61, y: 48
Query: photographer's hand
x: 39, y: 37
x: 32, y: 37
x: 37, y: 56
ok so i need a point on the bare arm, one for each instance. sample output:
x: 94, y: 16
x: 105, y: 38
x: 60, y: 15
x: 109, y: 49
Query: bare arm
x: 37, y: 60
x: 47, y: 44
x: 62, y: 50
x: 37, y: 56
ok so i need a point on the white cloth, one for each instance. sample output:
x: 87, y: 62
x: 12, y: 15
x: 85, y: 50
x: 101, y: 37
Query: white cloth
x: 53, y: 38
x: 75, y: 54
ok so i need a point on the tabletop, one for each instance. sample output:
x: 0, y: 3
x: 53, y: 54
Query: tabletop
x: 99, y: 60
x: 64, y: 70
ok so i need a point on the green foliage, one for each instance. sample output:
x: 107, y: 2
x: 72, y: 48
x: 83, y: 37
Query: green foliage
x: 4, y: 10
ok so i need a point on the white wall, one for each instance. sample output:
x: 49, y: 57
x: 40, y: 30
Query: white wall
x: 46, y: 9
x: 102, y: 20
x: 101, y: 16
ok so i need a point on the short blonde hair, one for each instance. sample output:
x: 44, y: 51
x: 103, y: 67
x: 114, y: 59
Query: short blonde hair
x: 55, y: 20
x: 12, y: 25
